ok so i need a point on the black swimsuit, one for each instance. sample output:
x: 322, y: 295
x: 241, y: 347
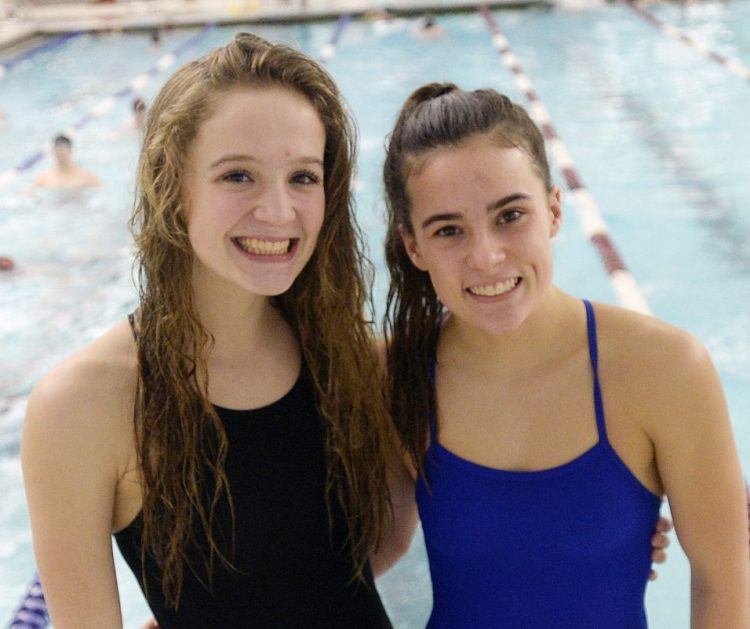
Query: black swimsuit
x: 291, y: 571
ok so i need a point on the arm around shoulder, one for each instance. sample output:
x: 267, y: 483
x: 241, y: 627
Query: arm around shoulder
x: 70, y: 460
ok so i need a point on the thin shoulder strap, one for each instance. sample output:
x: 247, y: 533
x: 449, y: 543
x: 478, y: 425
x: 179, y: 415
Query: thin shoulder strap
x: 594, y: 355
x: 131, y: 321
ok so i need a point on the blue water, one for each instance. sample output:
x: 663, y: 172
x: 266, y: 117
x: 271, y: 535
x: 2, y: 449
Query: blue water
x: 658, y: 133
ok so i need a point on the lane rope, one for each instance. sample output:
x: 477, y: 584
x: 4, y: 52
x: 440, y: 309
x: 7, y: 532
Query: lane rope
x: 105, y: 105
x: 329, y: 49
x: 13, y: 61
x: 32, y: 613
x: 734, y: 66
x: 627, y: 290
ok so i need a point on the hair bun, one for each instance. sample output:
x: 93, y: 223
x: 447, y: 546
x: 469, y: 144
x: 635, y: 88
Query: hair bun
x: 430, y: 91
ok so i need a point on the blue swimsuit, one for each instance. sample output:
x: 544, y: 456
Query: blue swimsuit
x: 566, y: 547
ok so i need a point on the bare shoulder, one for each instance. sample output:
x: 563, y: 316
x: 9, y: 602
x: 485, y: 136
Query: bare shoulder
x: 656, y: 369
x: 632, y: 338
x: 90, y: 393
x: 43, y: 178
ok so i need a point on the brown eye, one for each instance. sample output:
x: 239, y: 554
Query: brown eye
x: 509, y: 216
x: 237, y: 176
x: 306, y: 177
x: 448, y: 230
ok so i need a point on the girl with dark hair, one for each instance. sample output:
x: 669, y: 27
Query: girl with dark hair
x: 224, y: 433
x: 545, y: 429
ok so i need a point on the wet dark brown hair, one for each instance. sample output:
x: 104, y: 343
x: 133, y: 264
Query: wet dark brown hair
x: 435, y: 116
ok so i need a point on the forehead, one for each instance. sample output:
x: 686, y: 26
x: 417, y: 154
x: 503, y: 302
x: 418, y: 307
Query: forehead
x: 476, y: 171
x: 261, y: 117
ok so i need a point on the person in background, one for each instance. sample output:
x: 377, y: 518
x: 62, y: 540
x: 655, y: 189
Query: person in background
x: 136, y: 121
x: 554, y: 426
x: 139, y: 113
x: 154, y: 36
x: 428, y: 28
x: 65, y: 174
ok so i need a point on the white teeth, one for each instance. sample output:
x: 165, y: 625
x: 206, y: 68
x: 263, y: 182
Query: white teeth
x: 264, y: 247
x: 492, y: 290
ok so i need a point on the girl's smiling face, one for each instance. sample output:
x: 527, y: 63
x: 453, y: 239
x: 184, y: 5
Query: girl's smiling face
x: 254, y: 181
x: 482, y: 223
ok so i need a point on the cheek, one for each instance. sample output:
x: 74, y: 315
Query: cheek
x: 196, y: 237
x: 545, y: 256
x: 445, y: 279
x: 202, y: 227
x: 314, y: 215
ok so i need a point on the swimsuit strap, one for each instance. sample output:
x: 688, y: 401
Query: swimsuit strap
x: 594, y: 355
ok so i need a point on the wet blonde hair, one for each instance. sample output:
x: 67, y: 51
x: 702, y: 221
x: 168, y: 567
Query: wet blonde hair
x: 180, y: 440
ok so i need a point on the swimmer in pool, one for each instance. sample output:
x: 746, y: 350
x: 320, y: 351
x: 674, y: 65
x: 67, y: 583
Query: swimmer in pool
x: 136, y: 122
x: 66, y: 174
x: 139, y: 112
x: 428, y: 28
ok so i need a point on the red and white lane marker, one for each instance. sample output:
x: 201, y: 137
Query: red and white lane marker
x: 731, y: 65
x: 625, y: 286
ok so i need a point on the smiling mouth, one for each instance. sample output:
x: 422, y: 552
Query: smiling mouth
x: 493, y: 290
x: 260, y: 247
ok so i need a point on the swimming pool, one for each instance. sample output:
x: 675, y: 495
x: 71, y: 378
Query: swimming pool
x: 657, y: 131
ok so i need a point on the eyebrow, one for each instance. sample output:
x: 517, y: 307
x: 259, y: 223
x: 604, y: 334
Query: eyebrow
x: 494, y: 205
x: 237, y: 157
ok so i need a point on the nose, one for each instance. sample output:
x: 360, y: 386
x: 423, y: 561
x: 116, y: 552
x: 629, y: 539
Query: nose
x: 274, y: 205
x: 486, y: 251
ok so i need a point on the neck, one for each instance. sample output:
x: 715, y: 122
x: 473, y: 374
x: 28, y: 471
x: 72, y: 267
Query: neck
x: 65, y: 167
x: 550, y: 331
x: 239, y: 321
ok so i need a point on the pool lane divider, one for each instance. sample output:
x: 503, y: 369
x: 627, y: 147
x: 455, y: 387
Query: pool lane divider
x: 106, y: 104
x: 728, y: 63
x: 329, y: 49
x: 13, y: 61
x: 32, y: 612
x: 625, y: 286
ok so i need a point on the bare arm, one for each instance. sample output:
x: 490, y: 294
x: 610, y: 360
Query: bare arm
x: 398, y: 533
x: 70, y: 475
x: 698, y: 464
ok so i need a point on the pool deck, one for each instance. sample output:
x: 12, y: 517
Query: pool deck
x: 29, y: 20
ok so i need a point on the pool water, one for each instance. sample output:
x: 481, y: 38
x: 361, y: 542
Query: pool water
x: 658, y: 133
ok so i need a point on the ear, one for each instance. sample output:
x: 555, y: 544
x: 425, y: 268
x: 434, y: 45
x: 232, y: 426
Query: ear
x: 555, y: 210
x: 412, y: 248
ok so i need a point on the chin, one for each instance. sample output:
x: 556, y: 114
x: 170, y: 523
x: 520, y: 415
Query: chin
x: 501, y: 325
